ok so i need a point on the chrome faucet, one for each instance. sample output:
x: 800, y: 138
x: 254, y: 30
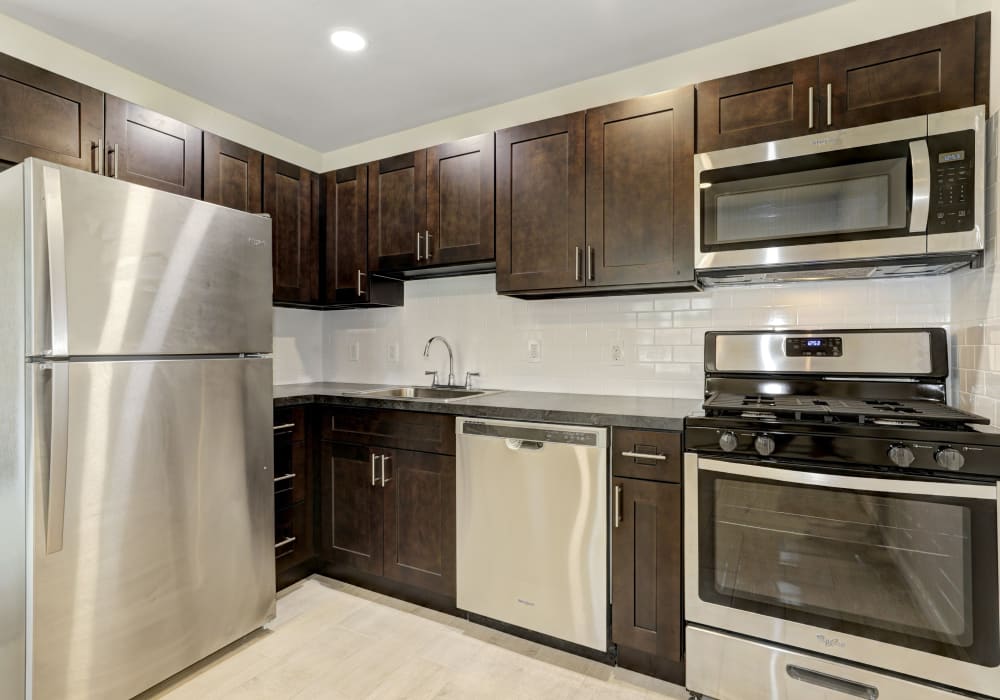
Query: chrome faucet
x: 451, y: 360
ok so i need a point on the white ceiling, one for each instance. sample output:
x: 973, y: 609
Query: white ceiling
x: 272, y: 63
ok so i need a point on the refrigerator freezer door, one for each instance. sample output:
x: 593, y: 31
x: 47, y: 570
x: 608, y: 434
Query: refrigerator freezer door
x: 121, y: 269
x: 165, y: 546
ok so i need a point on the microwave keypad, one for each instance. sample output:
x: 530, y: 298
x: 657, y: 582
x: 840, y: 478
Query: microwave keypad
x: 952, y: 177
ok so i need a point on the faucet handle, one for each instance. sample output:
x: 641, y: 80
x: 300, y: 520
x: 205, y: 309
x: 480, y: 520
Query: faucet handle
x: 434, y: 381
x: 468, y: 379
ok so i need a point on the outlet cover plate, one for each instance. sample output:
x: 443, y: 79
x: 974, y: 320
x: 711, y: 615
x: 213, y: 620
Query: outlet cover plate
x: 534, y: 351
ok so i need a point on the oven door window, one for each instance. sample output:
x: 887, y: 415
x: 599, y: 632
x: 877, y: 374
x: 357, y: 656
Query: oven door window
x: 912, y: 571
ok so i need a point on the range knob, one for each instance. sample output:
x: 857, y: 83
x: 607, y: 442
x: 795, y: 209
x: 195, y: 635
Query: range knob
x: 949, y: 458
x: 901, y: 455
x: 728, y: 441
x: 764, y: 444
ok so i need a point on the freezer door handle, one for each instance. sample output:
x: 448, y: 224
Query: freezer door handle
x: 55, y: 506
x: 56, y: 240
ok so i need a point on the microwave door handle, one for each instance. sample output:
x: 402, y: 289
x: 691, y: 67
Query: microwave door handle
x: 920, y: 161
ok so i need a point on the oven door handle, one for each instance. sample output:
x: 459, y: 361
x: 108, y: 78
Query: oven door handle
x: 920, y: 202
x: 981, y: 492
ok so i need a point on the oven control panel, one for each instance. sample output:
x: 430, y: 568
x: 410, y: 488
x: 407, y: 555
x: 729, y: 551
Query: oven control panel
x: 830, y: 346
x: 952, y: 182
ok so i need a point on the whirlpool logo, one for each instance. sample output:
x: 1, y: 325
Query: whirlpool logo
x: 828, y: 642
x: 256, y: 242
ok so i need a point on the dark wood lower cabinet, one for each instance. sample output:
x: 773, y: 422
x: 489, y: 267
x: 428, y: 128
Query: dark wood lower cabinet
x: 352, y: 507
x: 646, y: 610
x: 294, y: 496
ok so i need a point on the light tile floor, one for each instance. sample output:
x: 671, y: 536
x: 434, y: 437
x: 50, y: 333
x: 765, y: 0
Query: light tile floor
x: 332, y: 640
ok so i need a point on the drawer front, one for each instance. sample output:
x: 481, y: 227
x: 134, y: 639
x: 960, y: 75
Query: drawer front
x: 291, y: 420
x: 407, y: 430
x: 646, y: 454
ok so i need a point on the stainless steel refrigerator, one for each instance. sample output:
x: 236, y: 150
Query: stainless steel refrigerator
x: 136, y: 493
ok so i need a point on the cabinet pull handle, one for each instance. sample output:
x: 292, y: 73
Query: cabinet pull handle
x: 284, y: 478
x: 643, y: 455
x: 374, y: 478
x: 114, y: 161
x: 811, y: 107
x: 420, y: 241
x: 590, y: 262
x: 284, y: 426
x: 427, y: 245
x: 840, y: 685
x: 287, y: 540
x: 576, y: 259
x: 829, y: 104
x: 618, y: 505
x: 361, y: 292
x: 384, y: 480
x: 97, y: 157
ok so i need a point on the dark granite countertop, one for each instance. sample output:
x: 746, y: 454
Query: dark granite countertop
x: 579, y: 409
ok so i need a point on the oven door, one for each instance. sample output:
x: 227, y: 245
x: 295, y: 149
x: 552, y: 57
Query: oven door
x: 857, y: 194
x: 899, y: 574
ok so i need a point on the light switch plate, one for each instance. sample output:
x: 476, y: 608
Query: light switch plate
x: 534, y: 351
x: 392, y: 352
x: 356, y: 351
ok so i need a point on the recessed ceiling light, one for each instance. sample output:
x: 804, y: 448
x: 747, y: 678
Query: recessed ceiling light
x: 348, y: 40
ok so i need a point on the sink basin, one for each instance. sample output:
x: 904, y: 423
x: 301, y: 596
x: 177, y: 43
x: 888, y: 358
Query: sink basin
x: 426, y: 393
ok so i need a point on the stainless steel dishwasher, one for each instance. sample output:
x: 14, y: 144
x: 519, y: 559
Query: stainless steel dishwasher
x: 532, y: 526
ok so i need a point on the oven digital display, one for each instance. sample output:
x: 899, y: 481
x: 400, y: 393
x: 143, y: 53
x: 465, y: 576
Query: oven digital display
x: 830, y: 346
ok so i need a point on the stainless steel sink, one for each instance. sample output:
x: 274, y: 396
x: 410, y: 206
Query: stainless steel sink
x: 426, y: 393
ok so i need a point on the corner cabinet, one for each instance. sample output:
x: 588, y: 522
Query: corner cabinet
x: 291, y: 197
x: 600, y: 201
x: 929, y: 70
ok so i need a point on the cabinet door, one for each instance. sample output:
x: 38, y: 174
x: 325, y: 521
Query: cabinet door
x: 540, y: 223
x: 347, y: 235
x: 397, y: 212
x: 460, y: 201
x: 646, y: 567
x: 640, y: 201
x: 290, y: 199
x: 929, y: 70
x: 761, y: 105
x: 419, y: 535
x: 151, y: 149
x: 351, y: 507
x: 43, y: 115
x: 232, y: 174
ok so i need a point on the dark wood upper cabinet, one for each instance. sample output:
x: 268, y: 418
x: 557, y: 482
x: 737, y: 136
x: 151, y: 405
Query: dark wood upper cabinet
x: 929, y: 70
x: 397, y: 212
x: 151, y: 149
x: 921, y: 72
x: 760, y: 105
x: 640, y: 208
x: 646, y: 574
x: 419, y: 531
x: 540, y: 211
x: 291, y: 197
x: 351, y: 508
x: 460, y: 202
x: 347, y: 235
x: 232, y: 174
x: 47, y: 116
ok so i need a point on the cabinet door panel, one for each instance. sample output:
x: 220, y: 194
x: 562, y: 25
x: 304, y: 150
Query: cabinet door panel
x: 761, y: 105
x: 929, y: 70
x: 351, y: 508
x: 540, y: 223
x: 397, y: 211
x: 420, y: 520
x: 151, y: 149
x: 460, y: 201
x: 290, y: 197
x: 640, y: 204
x: 646, y: 572
x: 347, y: 235
x: 232, y: 174
x: 44, y: 115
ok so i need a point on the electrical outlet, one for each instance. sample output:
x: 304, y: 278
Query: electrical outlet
x: 534, y: 351
x: 356, y: 351
x: 617, y: 353
x: 392, y: 352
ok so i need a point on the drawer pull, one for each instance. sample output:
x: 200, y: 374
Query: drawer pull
x: 284, y: 426
x: 283, y: 478
x: 287, y: 540
x: 641, y: 455
x: 834, y: 683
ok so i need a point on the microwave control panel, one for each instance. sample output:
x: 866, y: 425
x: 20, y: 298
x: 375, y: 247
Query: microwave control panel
x: 952, y: 182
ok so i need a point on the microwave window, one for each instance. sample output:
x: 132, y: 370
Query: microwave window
x: 828, y: 202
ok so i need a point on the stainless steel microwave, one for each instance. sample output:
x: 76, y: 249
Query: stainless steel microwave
x: 893, y: 199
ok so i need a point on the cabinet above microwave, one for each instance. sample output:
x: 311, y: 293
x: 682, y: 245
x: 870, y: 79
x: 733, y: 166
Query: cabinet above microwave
x: 898, y: 198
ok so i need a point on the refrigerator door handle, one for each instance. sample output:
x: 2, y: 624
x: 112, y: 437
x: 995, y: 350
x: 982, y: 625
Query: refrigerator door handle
x: 55, y: 506
x: 55, y: 237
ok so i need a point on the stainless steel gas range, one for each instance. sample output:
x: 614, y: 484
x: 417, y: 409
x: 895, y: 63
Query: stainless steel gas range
x: 840, y: 522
